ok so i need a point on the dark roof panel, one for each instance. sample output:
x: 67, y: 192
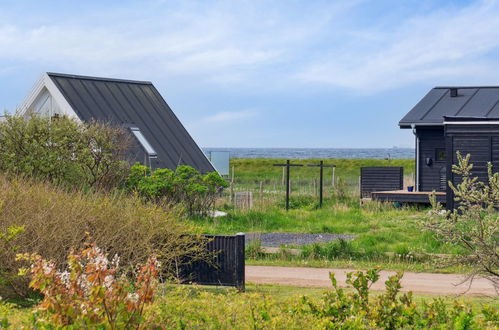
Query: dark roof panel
x: 478, y: 102
x: 449, y: 104
x: 134, y: 104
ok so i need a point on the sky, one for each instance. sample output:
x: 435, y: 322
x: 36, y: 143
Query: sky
x: 312, y: 73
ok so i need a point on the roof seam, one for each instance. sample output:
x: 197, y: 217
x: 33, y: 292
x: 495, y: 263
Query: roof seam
x: 433, y: 106
x: 492, y: 108
x: 155, y: 138
x: 469, y: 99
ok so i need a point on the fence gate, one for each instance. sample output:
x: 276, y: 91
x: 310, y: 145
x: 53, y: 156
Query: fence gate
x: 226, y: 269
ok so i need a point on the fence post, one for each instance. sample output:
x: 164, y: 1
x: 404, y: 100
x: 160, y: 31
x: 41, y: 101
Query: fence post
x: 239, y: 260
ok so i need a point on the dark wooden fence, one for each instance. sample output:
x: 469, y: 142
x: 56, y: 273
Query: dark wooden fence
x: 227, y: 266
x: 380, y: 178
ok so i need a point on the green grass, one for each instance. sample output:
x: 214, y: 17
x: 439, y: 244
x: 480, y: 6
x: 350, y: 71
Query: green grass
x: 254, y: 170
x: 379, y: 228
x: 287, y: 260
x: 383, y: 229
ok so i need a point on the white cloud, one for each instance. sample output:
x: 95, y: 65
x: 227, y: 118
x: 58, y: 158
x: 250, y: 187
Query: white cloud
x: 259, y: 44
x: 221, y: 42
x: 449, y: 45
x: 229, y: 117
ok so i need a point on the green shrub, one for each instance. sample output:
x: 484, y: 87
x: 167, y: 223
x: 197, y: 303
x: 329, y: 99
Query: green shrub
x: 186, y: 186
x: 64, y: 151
x: 340, y: 249
x: 54, y: 221
x: 358, y: 309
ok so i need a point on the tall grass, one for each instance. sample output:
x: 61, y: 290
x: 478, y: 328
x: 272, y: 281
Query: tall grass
x: 52, y: 221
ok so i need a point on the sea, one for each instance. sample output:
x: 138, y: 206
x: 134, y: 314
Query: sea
x: 317, y: 153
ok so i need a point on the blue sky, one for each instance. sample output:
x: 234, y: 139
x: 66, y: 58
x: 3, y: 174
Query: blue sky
x: 262, y: 73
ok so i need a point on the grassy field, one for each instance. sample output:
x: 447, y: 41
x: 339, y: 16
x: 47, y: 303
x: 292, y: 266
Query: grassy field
x: 379, y: 228
x: 252, y: 173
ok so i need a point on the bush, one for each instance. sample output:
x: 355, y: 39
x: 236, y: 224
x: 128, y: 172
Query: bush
x: 186, y: 186
x: 389, y: 310
x: 340, y: 249
x: 40, y: 218
x: 64, y: 151
x: 474, y: 224
x: 337, y: 309
x: 90, y: 292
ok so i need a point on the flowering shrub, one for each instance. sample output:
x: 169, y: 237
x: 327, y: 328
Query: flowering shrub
x: 90, y: 293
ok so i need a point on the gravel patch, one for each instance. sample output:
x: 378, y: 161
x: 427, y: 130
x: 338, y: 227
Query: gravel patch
x: 278, y: 239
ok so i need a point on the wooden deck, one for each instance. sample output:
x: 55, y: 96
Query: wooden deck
x: 403, y: 196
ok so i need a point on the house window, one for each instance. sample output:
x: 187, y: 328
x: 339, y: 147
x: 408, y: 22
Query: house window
x: 143, y: 141
x: 441, y: 155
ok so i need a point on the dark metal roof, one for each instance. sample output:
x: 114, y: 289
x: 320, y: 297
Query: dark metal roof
x: 477, y: 102
x: 134, y: 104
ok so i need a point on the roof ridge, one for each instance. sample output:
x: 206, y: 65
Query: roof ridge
x: 464, y: 87
x: 74, y: 76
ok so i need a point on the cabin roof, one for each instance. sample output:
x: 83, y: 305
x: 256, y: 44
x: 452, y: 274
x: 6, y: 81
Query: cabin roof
x: 480, y: 102
x: 133, y: 104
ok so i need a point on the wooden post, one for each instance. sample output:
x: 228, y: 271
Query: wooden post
x: 232, y: 186
x: 239, y: 262
x: 321, y: 178
x: 261, y: 192
x: 332, y: 179
x: 288, y: 183
x: 283, y: 175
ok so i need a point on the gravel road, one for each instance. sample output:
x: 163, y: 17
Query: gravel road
x: 278, y: 239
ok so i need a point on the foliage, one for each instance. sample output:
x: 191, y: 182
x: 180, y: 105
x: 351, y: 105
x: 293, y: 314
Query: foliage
x: 90, y: 292
x: 474, y: 224
x: 196, y: 308
x: 389, y: 310
x: 195, y: 191
x: 54, y: 220
x: 340, y: 249
x: 64, y: 151
x: 282, y: 307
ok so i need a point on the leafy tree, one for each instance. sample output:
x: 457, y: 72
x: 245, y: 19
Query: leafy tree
x: 474, y: 224
x: 197, y: 192
x: 63, y: 150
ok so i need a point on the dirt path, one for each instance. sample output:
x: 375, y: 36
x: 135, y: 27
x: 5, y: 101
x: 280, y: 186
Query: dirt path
x: 422, y: 283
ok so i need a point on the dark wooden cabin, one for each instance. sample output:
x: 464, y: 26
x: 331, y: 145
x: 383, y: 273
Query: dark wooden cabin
x: 451, y: 119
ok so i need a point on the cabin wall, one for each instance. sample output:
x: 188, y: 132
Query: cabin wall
x: 480, y: 141
x: 431, y: 144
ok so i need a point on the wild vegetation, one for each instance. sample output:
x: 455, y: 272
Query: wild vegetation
x: 37, y: 217
x: 195, y: 307
x: 474, y: 224
x: 186, y: 186
x: 64, y: 151
x: 72, y: 185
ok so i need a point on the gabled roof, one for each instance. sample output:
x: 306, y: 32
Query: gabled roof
x: 133, y: 104
x: 476, y: 102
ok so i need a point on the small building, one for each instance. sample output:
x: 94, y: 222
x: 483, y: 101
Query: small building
x: 161, y: 139
x: 451, y: 119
